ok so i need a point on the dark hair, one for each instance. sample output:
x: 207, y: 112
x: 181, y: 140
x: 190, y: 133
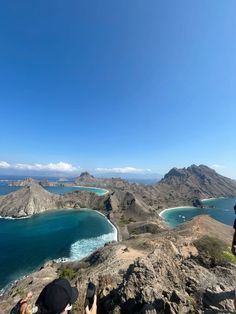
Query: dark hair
x: 235, y: 207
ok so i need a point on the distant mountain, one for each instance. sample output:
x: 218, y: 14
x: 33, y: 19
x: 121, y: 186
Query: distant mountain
x: 198, y: 181
x: 154, y: 177
x: 85, y: 177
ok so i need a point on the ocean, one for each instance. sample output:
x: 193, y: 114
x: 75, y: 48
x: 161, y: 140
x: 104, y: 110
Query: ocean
x: 222, y: 211
x: 69, y: 234
x: 25, y: 244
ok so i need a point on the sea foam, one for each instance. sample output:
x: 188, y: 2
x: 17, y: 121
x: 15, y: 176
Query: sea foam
x: 85, y: 247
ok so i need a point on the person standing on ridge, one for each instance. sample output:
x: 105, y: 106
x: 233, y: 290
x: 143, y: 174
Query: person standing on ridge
x: 233, y: 249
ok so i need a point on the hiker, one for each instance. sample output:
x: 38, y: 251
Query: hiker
x: 234, y: 236
x: 24, y: 306
x: 234, y: 250
x: 58, y: 297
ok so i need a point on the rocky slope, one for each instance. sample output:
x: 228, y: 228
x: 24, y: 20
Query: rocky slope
x: 183, y: 186
x: 29, y: 200
x: 200, y: 181
x: 166, y: 271
x: 87, y: 179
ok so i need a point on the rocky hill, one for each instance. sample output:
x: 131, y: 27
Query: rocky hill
x: 130, y: 206
x: 182, y: 186
x: 200, y: 181
x: 87, y: 179
x: 29, y: 200
x: 171, y: 271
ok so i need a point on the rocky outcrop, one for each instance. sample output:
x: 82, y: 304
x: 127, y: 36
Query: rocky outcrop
x: 184, y: 187
x: 199, y: 181
x: 85, y: 177
x: 28, y: 181
x: 27, y: 201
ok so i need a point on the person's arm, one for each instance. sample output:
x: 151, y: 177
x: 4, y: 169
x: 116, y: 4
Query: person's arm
x: 94, y: 307
x: 234, y: 243
x: 23, y: 308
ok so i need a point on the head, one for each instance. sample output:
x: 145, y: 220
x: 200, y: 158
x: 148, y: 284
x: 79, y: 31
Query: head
x: 29, y: 295
x: 57, y: 297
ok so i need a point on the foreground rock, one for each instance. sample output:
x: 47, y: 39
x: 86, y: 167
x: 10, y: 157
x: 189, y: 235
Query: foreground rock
x: 166, y: 271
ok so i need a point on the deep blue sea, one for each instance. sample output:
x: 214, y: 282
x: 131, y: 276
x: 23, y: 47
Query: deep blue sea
x: 222, y: 211
x: 25, y: 244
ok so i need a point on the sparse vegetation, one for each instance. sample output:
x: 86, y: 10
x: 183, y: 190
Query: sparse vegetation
x: 68, y: 273
x: 215, y: 249
x: 124, y: 221
x: 229, y: 256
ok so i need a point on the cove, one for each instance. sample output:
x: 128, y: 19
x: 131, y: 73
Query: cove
x: 25, y: 244
x: 222, y: 211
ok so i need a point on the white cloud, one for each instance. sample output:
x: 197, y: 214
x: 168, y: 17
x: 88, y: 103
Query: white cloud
x: 4, y: 165
x: 122, y: 170
x: 60, y: 166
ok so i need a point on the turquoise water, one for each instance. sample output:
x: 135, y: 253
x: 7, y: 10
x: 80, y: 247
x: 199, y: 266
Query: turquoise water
x: 67, y: 189
x: 222, y: 211
x: 5, y: 189
x: 25, y: 244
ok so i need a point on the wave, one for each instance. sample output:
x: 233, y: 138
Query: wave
x: 85, y: 247
x: 13, y: 218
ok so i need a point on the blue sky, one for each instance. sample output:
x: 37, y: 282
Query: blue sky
x: 139, y: 86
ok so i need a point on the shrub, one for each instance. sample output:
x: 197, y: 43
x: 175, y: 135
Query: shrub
x: 68, y: 273
x: 214, y: 249
x: 229, y: 256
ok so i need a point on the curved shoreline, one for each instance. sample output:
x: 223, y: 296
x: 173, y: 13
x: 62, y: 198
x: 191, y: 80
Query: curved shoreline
x: 111, y: 223
x: 190, y: 207
x: 91, y: 187
x: 172, y: 208
x: 115, y: 228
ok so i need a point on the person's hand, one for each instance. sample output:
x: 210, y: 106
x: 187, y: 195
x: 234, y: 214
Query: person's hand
x: 233, y: 250
x: 93, y: 309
